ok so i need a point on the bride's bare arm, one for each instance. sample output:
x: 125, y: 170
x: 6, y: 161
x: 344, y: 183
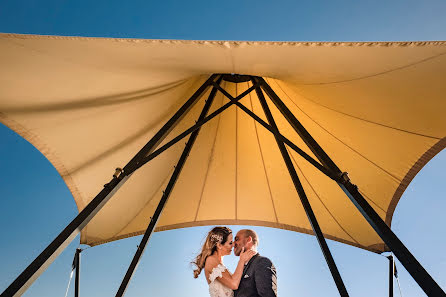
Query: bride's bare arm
x: 231, y: 281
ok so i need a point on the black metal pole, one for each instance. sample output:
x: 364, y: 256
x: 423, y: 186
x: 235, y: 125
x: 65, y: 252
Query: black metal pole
x: 307, y: 157
x: 391, y: 274
x: 420, y: 275
x: 192, y: 129
x: 303, y: 197
x: 77, y: 263
x: 282, y: 138
x: 169, y: 125
x: 33, y: 271
x: 38, y: 266
x: 303, y: 133
x: 164, y: 198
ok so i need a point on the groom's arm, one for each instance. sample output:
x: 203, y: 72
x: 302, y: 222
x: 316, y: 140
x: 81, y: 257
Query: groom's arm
x: 266, y: 278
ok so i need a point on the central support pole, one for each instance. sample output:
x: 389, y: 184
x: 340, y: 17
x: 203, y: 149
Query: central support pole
x: 420, y: 275
x: 164, y: 198
x: 303, y: 197
x: 47, y: 256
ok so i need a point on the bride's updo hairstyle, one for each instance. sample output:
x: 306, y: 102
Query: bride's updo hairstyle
x: 216, y: 235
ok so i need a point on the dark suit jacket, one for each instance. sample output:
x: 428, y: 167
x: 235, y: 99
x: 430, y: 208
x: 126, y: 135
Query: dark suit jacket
x: 258, y: 279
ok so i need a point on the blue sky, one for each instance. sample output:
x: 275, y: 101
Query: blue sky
x: 35, y: 204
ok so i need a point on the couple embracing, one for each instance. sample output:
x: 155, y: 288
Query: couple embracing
x: 255, y: 275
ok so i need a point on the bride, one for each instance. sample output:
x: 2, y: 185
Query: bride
x: 218, y: 244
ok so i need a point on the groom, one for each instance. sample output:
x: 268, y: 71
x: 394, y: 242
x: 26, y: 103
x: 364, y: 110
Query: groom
x: 259, y: 275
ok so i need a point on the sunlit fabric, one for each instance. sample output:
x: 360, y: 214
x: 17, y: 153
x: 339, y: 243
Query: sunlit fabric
x: 89, y: 104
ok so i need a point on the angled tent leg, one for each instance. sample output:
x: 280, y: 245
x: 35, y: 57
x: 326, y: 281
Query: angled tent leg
x: 420, y: 275
x: 303, y: 197
x: 47, y: 256
x: 164, y: 198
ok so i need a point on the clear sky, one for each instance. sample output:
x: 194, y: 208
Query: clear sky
x: 35, y: 204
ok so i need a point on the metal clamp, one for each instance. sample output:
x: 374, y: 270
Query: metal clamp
x: 118, y: 172
x: 343, y: 177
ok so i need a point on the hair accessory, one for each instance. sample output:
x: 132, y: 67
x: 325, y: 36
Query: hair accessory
x: 217, y: 237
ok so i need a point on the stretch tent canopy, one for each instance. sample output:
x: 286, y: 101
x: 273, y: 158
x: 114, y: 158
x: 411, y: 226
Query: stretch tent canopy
x: 89, y: 104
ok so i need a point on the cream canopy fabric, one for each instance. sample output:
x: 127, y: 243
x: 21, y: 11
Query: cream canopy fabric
x: 89, y: 104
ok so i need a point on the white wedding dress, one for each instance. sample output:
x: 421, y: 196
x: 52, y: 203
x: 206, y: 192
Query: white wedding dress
x: 216, y: 288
